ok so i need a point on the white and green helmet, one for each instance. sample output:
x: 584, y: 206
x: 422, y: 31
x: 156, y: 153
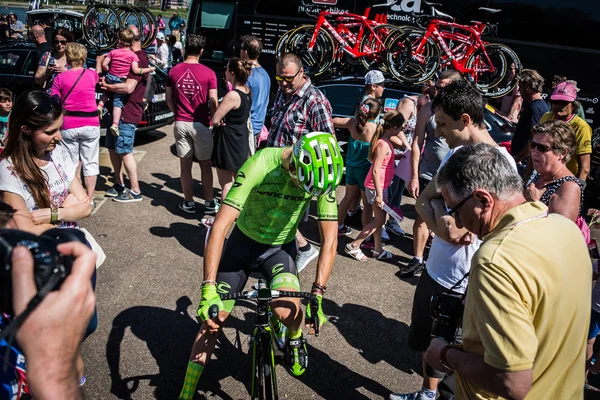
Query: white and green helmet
x: 318, y: 163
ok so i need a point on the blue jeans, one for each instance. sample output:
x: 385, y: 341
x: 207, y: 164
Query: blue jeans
x: 395, y: 191
x: 122, y: 144
x: 118, y: 99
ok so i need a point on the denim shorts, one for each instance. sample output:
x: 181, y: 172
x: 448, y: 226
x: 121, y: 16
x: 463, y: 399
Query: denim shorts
x: 122, y: 144
x: 118, y: 98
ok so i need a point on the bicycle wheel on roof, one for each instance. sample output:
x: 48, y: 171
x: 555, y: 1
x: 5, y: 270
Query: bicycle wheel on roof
x: 373, y: 43
x: 100, y: 25
x: 411, y: 61
x: 315, y: 60
x: 490, y: 74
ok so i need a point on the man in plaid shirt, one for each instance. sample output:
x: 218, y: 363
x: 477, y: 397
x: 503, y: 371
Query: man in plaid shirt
x: 300, y: 108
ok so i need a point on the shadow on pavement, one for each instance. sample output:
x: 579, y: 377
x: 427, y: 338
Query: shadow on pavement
x: 169, y: 335
x: 188, y: 235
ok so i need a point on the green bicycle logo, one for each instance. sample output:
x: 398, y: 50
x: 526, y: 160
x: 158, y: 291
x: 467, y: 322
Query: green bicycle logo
x: 277, y: 268
x: 223, y: 288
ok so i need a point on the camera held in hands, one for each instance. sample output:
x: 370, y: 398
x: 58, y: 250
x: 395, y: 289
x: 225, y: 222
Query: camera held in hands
x: 447, y: 312
x: 49, y: 264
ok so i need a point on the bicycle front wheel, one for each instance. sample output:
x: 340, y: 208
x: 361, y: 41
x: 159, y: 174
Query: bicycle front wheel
x: 100, y: 25
x: 374, y: 44
x: 409, y: 61
x: 490, y: 75
x: 264, y: 384
x: 315, y: 60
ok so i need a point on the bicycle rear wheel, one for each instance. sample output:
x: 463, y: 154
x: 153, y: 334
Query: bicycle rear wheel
x: 318, y: 59
x: 374, y: 43
x: 490, y: 78
x: 405, y: 64
x: 149, y: 30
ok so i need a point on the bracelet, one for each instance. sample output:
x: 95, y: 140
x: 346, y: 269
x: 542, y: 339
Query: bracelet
x: 53, y: 215
x: 141, y: 71
x: 209, y: 281
x: 316, y: 286
x: 443, y: 355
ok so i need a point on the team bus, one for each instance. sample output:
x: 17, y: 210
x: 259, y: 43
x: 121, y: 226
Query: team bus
x: 552, y: 36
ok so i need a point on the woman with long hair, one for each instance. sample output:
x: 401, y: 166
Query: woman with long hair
x: 362, y: 127
x: 37, y: 177
x: 55, y: 62
x: 231, y: 137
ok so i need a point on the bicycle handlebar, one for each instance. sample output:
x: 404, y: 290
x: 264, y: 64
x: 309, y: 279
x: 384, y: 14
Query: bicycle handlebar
x: 273, y: 294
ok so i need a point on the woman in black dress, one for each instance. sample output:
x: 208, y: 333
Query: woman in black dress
x: 230, y: 122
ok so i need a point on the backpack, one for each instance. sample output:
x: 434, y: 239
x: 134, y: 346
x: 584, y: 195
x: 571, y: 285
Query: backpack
x: 151, y: 88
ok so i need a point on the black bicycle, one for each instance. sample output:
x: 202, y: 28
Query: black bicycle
x: 264, y: 380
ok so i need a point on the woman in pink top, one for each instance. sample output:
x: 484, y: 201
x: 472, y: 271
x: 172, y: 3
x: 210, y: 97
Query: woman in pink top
x: 377, y: 182
x: 119, y: 63
x: 76, y: 87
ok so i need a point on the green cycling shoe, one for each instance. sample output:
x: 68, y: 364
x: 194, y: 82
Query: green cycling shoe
x: 296, y: 356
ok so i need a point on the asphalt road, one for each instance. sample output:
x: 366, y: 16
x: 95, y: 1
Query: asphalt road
x: 149, y: 287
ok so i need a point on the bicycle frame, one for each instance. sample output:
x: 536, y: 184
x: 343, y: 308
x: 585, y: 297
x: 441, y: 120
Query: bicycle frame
x: 472, y: 42
x: 342, y: 30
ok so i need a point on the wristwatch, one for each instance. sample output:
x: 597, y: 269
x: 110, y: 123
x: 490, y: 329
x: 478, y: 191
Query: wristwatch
x: 443, y: 354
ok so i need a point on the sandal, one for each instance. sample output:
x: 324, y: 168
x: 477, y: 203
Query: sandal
x: 357, y: 254
x: 384, y: 255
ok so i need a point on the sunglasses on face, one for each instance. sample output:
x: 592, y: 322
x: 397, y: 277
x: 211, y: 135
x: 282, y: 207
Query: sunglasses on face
x: 288, y: 79
x: 47, y: 105
x: 542, y: 148
x: 454, y: 211
x: 63, y: 42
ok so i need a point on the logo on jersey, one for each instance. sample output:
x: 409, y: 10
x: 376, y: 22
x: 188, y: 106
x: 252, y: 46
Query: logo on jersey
x: 277, y: 268
x: 281, y: 196
x: 239, y: 176
x: 330, y: 197
x: 223, y: 288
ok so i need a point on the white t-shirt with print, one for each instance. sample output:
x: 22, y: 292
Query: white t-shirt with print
x: 59, y: 173
x: 448, y: 263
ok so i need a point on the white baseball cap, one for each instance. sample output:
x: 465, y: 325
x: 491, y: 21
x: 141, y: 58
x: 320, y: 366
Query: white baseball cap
x: 374, y: 77
x: 160, y: 36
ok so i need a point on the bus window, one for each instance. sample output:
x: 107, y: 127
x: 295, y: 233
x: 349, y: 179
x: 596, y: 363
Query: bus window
x: 216, y: 15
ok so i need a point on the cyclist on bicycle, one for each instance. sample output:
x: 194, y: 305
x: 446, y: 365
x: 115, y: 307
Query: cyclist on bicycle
x: 271, y: 192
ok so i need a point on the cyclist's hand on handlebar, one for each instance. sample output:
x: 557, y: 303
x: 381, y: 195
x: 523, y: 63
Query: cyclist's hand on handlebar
x: 310, y: 321
x: 210, y: 297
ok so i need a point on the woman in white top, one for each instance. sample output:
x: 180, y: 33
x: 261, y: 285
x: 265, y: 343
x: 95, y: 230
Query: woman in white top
x: 36, y: 176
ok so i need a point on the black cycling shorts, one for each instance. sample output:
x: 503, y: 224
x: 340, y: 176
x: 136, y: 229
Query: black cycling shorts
x: 243, y: 256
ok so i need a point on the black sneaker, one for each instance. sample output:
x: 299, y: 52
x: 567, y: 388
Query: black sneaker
x: 354, y: 220
x: 211, y: 208
x: 344, y: 231
x: 296, y: 356
x: 188, y: 206
x: 413, y: 267
x: 128, y: 197
x: 115, y: 190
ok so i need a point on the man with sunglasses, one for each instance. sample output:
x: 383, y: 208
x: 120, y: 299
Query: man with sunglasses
x: 458, y: 112
x: 299, y: 108
x: 120, y: 148
x: 527, y: 310
x: 564, y: 107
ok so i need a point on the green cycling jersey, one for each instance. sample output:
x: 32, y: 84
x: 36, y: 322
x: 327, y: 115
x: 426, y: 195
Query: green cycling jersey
x: 270, y: 203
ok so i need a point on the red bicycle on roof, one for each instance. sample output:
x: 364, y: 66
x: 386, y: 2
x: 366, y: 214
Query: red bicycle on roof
x: 415, y: 56
x: 340, y: 37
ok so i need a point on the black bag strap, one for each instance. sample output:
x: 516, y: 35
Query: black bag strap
x: 73, y: 87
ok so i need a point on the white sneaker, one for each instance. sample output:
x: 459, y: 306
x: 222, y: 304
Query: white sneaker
x: 304, y: 257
